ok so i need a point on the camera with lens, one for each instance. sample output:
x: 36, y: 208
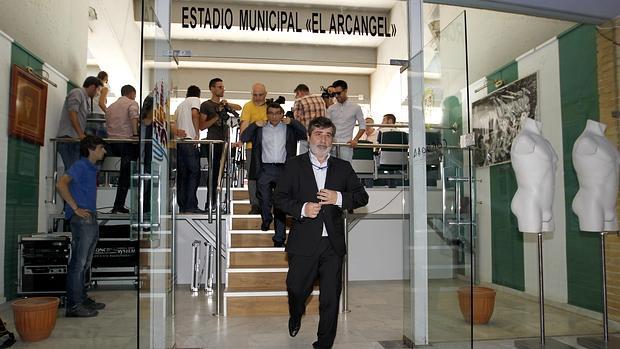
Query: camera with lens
x: 226, y: 112
x: 280, y: 100
x: 325, y: 93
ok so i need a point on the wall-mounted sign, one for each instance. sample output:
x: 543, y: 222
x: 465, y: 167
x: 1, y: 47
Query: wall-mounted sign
x: 365, y: 24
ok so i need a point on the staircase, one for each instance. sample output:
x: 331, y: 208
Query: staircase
x: 255, y: 271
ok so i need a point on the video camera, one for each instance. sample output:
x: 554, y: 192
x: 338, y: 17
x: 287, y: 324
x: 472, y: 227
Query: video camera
x: 226, y: 112
x: 325, y: 93
x: 280, y: 100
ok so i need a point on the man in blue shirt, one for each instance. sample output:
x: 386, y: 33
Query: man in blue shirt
x: 78, y: 187
x: 274, y: 141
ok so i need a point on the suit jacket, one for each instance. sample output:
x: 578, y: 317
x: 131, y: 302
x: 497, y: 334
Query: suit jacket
x: 297, y: 186
x: 295, y: 132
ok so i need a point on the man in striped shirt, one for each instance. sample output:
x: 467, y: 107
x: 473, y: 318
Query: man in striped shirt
x: 306, y: 108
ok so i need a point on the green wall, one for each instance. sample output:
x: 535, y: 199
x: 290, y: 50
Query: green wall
x: 22, y: 187
x: 579, y: 91
x: 506, y: 241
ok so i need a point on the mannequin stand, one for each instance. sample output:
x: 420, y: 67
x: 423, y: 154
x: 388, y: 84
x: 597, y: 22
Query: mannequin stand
x: 605, y: 342
x: 541, y: 342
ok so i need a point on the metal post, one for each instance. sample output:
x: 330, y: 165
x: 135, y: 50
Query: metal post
x: 541, y: 289
x: 218, y: 259
x: 173, y: 247
x: 345, y: 268
x: 55, y: 166
x: 542, y: 342
x: 210, y: 184
x: 604, y: 268
x: 209, y: 281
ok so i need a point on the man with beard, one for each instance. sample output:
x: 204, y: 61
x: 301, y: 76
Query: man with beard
x: 316, y: 245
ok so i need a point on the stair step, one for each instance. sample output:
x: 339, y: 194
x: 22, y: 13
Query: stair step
x: 274, y: 258
x: 267, y: 303
x: 241, y: 194
x: 252, y: 222
x: 258, y: 280
x: 252, y: 239
x: 241, y: 207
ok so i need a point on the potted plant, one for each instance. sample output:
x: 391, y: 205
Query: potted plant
x: 483, y: 303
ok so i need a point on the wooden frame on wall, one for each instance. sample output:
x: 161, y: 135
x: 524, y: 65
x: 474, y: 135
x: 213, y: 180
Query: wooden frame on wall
x: 28, y: 103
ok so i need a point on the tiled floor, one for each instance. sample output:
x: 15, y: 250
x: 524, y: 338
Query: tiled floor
x: 376, y: 316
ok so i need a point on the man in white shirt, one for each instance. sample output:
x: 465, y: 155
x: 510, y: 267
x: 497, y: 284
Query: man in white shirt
x: 187, y: 117
x: 343, y: 114
x: 314, y: 189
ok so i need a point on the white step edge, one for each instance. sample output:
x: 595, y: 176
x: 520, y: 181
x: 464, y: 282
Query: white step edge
x: 240, y: 294
x: 257, y: 270
x: 244, y: 201
x: 268, y: 232
x: 256, y: 249
x: 239, y: 189
x: 245, y: 216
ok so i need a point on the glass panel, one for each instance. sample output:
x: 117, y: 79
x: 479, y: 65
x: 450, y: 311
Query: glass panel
x: 438, y: 242
x: 155, y: 228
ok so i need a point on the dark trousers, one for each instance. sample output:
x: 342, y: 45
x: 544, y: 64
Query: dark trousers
x: 188, y: 176
x: 69, y: 153
x: 302, y: 271
x: 217, y: 157
x: 266, y: 184
x: 84, y: 237
x: 128, y: 152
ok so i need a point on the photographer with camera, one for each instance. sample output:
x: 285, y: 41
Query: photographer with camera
x: 215, y: 113
x: 306, y: 108
x: 253, y: 111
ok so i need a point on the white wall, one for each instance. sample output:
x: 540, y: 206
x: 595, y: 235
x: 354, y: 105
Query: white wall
x: 276, y: 82
x: 55, y: 31
x: 55, y: 100
x: 545, y: 61
x: 114, y: 41
x: 5, y: 77
x: 496, y: 38
x: 387, y: 92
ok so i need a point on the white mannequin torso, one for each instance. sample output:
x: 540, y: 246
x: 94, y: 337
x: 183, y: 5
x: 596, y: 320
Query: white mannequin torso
x: 597, y: 163
x: 535, y: 162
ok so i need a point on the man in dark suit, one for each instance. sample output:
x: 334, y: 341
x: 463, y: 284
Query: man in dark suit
x: 315, y: 188
x: 274, y: 141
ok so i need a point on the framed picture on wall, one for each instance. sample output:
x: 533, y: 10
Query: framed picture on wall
x: 28, y: 101
x: 497, y: 119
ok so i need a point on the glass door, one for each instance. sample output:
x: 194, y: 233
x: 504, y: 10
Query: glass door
x: 439, y: 241
x: 154, y: 227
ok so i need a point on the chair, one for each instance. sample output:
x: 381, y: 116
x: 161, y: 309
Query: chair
x: 392, y: 162
x: 363, y: 161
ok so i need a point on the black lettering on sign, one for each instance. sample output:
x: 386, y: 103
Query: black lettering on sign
x: 184, y: 17
x: 289, y: 21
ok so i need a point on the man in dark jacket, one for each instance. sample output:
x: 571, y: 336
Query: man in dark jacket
x: 274, y: 141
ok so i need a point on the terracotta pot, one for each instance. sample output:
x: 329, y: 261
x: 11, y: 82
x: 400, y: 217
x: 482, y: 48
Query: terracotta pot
x: 484, y: 302
x: 35, y: 317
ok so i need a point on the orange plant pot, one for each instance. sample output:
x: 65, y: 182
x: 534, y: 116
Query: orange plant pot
x: 484, y: 302
x: 35, y: 317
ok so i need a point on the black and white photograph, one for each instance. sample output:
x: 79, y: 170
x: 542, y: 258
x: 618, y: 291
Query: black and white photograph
x: 497, y: 119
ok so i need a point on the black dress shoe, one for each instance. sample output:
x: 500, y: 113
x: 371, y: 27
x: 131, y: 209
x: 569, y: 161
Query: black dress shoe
x: 316, y: 345
x: 120, y: 210
x: 278, y: 244
x: 264, y: 226
x: 293, y: 326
